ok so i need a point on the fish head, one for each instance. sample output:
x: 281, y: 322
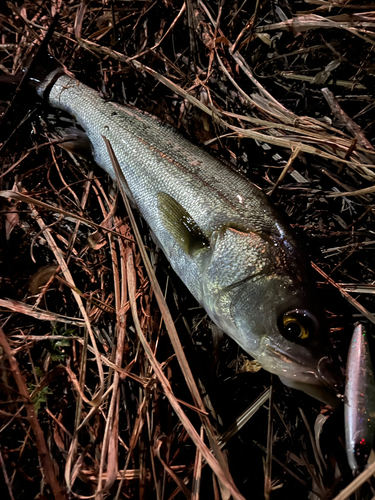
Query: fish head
x: 258, y: 290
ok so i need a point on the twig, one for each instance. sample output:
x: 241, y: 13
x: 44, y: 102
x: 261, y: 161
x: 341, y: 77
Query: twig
x: 68, y: 276
x: 41, y: 314
x: 292, y: 157
x: 242, y: 419
x: 345, y: 119
x: 345, y: 294
x: 6, y: 478
x: 268, y: 464
x: 356, y: 483
x: 311, y: 79
x: 43, y: 452
x: 197, y: 472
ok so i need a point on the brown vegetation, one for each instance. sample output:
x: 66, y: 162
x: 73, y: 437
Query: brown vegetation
x: 111, y: 384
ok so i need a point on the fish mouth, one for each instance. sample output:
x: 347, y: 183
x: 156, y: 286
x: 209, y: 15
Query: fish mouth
x: 317, y: 376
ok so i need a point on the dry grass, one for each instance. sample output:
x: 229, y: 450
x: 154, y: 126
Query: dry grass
x: 112, y: 386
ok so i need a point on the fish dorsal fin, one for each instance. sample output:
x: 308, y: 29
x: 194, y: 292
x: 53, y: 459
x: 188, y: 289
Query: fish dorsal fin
x: 184, y: 229
x: 76, y: 141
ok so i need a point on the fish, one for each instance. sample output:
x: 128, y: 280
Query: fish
x: 233, y: 251
x: 359, y: 408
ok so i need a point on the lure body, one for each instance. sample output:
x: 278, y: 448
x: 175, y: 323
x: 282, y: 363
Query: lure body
x: 360, y: 401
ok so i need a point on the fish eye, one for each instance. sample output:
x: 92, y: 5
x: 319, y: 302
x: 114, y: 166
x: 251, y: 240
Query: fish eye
x: 295, y: 325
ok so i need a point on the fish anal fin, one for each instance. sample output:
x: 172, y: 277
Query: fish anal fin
x: 184, y: 229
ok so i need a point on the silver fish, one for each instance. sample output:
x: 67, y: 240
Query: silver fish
x: 228, y: 245
x: 360, y: 401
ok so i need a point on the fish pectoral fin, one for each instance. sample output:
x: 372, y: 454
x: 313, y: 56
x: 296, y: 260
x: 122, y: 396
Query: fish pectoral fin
x: 188, y: 235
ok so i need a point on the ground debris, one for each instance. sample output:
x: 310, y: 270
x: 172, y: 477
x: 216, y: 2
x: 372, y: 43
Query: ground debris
x: 285, y: 93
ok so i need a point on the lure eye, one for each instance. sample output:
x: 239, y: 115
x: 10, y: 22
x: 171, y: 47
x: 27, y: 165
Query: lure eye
x: 295, y: 325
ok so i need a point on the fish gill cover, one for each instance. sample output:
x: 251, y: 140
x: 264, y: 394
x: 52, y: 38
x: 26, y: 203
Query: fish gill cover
x: 283, y: 91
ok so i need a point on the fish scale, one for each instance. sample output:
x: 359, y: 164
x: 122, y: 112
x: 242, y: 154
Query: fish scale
x: 232, y: 250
